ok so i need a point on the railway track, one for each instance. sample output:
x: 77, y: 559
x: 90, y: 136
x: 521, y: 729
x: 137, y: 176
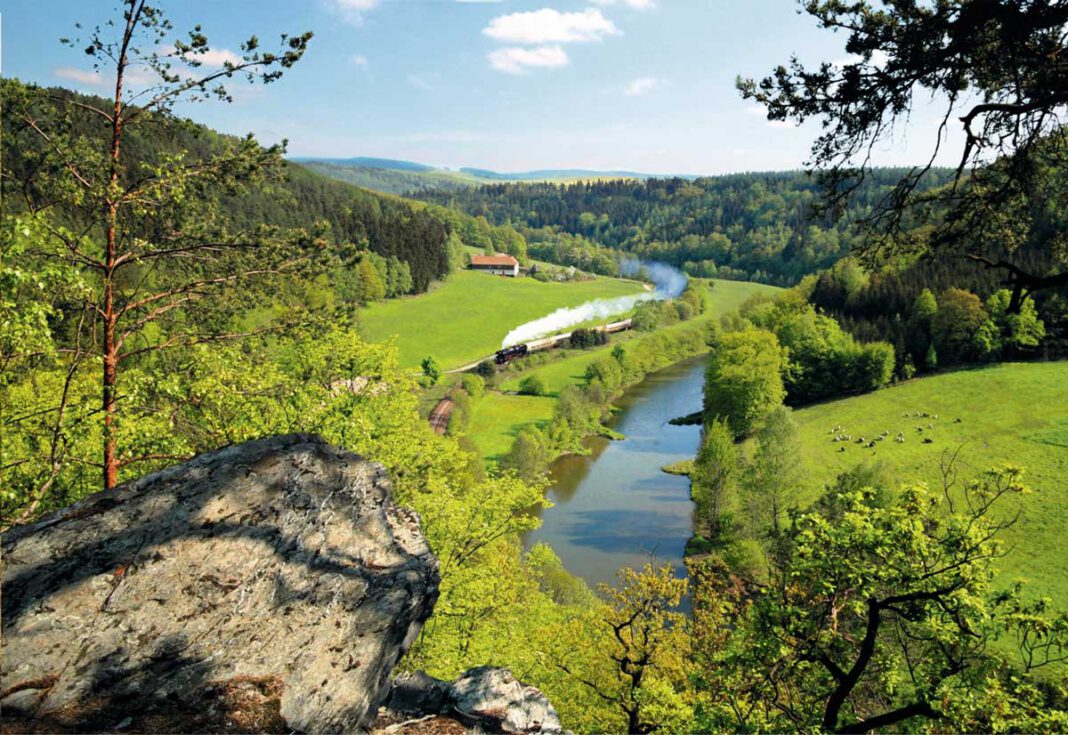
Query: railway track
x: 439, y: 417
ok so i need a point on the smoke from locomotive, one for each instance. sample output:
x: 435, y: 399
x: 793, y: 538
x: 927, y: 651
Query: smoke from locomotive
x: 669, y: 283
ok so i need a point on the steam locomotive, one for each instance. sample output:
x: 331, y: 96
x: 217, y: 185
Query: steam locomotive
x: 522, y: 350
x: 511, y: 353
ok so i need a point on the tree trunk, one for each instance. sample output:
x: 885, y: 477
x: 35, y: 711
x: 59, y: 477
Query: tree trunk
x: 111, y: 224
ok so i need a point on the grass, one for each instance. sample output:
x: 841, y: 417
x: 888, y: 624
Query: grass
x: 466, y: 317
x: 1009, y: 414
x: 497, y: 417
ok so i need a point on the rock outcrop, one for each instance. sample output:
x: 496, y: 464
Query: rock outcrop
x: 267, y: 586
x: 484, y: 699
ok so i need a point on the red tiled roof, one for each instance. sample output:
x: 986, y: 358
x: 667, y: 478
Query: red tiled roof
x: 493, y: 260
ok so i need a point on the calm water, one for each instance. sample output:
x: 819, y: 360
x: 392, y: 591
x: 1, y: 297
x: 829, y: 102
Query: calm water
x: 615, y: 507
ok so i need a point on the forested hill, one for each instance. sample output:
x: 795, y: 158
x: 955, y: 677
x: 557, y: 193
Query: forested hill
x: 299, y: 198
x: 754, y: 226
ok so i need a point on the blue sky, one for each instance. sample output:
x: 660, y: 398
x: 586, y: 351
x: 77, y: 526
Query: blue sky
x: 644, y: 85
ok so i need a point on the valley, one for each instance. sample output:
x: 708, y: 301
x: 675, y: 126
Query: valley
x: 300, y: 434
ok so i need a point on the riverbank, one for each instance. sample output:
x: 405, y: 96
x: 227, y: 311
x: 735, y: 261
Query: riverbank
x: 497, y: 418
x: 613, y: 507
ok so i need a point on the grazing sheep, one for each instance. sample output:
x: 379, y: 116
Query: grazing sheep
x: 871, y: 445
x: 930, y: 426
x: 935, y: 416
x: 957, y: 421
x: 841, y: 449
x: 928, y: 440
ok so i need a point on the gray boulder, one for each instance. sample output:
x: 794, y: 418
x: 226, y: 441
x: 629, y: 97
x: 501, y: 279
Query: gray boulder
x: 276, y: 575
x: 482, y: 700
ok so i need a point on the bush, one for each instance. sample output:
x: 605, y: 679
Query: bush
x: 431, y: 369
x: 474, y: 385
x: 532, y: 385
x: 486, y: 368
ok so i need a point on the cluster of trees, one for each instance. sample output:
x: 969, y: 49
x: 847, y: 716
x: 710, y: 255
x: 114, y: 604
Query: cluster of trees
x: 745, y: 226
x: 778, y: 350
x: 978, y: 323
x: 823, y: 360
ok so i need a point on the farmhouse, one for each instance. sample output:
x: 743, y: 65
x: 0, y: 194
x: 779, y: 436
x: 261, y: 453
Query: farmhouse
x: 498, y: 265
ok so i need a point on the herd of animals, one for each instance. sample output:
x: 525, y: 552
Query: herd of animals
x: 840, y: 436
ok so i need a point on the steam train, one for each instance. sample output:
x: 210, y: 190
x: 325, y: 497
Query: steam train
x: 523, y: 349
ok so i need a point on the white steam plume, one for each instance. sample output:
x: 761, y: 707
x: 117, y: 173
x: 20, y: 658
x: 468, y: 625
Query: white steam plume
x: 669, y: 281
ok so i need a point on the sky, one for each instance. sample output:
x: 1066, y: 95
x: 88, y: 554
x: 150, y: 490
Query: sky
x: 507, y: 85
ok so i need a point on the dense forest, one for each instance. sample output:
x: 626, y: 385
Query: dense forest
x: 745, y: 226
x: 291, y: 198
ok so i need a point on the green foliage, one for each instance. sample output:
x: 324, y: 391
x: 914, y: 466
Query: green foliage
x: 474, y: 385
x: 824, y: 359
x: 532, y: 385
x: 879, y: 615
x: 581, y: 338
x: 772, y: 477
x: 961, y: 330
x: 743, y: 381
x: 530, y: 455
x: 1018, y: 330
x: 713, y: 482
x: 431, y: 369
x: 636, y: 657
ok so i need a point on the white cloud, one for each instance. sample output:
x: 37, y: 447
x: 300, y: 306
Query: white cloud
x: 635, y: 4
x: 641, y: 86
x: 550, y: 26
x: 351, y: 11
x: 518, y: 60
x: 361, y: 61
x: 81, y: 76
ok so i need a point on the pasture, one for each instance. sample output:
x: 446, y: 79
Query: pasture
x: 466, y: 317
x: 1014, y: 413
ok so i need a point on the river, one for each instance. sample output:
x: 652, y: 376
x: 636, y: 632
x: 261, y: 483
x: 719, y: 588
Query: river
x: 615, y: 507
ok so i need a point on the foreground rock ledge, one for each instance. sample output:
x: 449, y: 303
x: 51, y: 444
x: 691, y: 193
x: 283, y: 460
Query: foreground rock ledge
x: 267, y: 586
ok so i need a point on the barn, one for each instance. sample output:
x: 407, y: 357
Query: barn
x: 498, y: 265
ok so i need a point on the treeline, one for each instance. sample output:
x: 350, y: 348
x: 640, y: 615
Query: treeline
x: 756, y: 227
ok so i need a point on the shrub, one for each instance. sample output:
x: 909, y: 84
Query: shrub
x: 533, y: 385
x: 474, y: 385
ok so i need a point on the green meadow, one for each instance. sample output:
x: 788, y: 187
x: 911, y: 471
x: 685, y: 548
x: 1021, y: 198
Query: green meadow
x: 1014, y: 413
x: 466, y: 317
x: 497, y: 417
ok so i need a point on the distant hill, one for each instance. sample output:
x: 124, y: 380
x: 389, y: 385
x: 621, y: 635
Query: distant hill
x: 386, y: 164
x: 553, y: 174
x: 406, y: 177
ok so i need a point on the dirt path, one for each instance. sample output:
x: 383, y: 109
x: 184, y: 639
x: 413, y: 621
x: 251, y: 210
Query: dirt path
x: 439, y: 417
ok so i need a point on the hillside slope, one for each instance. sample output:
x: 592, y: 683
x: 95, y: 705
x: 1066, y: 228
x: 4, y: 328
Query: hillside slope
x: 1014, y: 413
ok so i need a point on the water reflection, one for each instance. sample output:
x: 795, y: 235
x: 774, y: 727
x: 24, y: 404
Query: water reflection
x: 615, y: 507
